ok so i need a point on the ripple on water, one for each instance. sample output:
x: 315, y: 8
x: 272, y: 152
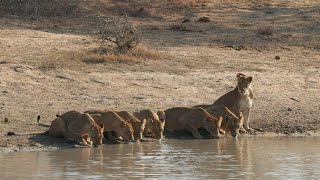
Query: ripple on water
x: 226, y: 158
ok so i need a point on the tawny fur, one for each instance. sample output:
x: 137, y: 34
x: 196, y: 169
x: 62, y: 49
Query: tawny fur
x: 230, y: 122
x: 113, y: 123
x: 239, y: 100
x: 154, y: 125
x: 137, y: 125
x: 77, y: 126
x: 191, y: 119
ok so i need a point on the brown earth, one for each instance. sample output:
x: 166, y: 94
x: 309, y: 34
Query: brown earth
x: 180, y: 62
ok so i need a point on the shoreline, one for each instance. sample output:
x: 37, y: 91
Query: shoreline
x: 36, y: 143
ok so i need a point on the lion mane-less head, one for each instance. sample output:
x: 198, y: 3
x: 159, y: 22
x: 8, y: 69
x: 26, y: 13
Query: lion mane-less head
x: 233, y: 123
x: 138, y: 127
x: 210, y: 123
x: 157, y: 128
x: 244, y: 83
x: 126, y: 131
x: 95, y: 131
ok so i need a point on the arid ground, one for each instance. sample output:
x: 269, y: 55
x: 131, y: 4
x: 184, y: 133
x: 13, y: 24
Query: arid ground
x: 48, y: 65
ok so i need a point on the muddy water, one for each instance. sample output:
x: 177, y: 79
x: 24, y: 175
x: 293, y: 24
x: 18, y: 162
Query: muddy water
x: 227, y: 158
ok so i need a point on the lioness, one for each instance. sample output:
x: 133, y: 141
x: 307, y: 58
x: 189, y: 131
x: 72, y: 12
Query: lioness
x: 138, y: 126
x: 191, y: 119
x: 230, y: 122
x: 113, y: 123
x: 154, y: 125
x: 239, y: 100
x: 77, y: 126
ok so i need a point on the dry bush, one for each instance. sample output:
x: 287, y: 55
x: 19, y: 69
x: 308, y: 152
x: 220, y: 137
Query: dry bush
x: 119, y: 31
x: 135, y: 55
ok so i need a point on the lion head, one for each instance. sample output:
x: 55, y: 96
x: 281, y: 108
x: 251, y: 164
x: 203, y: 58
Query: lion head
x: 157, y: 128
x: 138, y: 127
x: 244, y: 83
x: 212, y: 125
x: 126, y: 131
x: 95, y: 132
x: 234, y: 124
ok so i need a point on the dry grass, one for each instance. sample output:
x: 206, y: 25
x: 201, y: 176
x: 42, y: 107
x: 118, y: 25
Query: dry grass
x: 79, y: 59
x: 92, y: 58
x: 135, y: 55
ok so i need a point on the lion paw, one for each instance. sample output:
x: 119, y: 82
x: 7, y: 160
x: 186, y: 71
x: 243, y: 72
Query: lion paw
x: 242, y: 130
x: 250, y: 130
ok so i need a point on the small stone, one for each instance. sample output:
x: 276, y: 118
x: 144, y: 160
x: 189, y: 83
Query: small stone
x: 37, y: 145
x: 277, y: 57
x: 186, y: 20
x: 289, y: 109
x: 11, y: 133
x: 38, y: 119
x: 294, y: 99
x: 6, y: 120
x: 204, y: 19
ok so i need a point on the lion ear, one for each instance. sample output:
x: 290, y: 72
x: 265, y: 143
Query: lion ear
x: 239, y: 75
x: 241, y: 115
x: 249, y: 79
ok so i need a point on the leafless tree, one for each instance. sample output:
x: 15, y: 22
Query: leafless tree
x: 120, y: 31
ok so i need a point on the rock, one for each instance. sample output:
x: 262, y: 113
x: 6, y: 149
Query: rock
x: 38, y: 119
x: 6, y: 120
x: 178, y: 28
x: 186, y: 20
x: 11, y: 133
x: 294, y: 99
x: 37, y: 145
x: 277, y: 57
x: 289, y: 109
x: 204, y: 19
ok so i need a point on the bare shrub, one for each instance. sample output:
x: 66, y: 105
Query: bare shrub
x: 120, y: 31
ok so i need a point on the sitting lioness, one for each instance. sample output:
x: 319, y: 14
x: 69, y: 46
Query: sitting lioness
x: 230, y: 122
x: 77, y: 126
x: 113, y: 123
x: 154, y: 125
x: 138, y: 126
x: 191, y: 119
x: 239, y: 100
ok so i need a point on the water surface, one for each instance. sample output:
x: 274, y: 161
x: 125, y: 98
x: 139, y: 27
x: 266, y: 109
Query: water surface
x: 227, y: 158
